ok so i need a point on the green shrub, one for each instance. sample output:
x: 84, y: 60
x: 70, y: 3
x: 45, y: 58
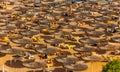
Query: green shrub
x: 112, y: 66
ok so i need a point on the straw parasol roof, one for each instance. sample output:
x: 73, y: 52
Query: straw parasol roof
x: 55, y: 41
x: 10, y: 27
x: 88, y: 41
x: 51, y: 50
x: 10, y: 50
x: 48, y: 50
x: 70, y: 59
x: 21, y: 41
x: 85, y: 49
x: 3, y: 35
x: 115, y: 39
x: 108, y: 47
x: 30, y: 33
x: 34, y: 64
x: 93, y: 58
x: 95, y: 33
x: 78, y: 66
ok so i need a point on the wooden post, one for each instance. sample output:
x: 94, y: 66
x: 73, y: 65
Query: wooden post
x: 3, y: 69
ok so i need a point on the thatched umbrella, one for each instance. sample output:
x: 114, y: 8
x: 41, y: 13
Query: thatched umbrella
x: 2, y: 24
x: 95, y: 33
x: 116, y: 39
x: 108, y: 47
x: 70, y: 59
x: 11, y: 50
x: 5, y: 47
x: 30, y: 33
x: 45, y: 37
x: 99, y: 25
x: 35, y: 27
x: 22, y: 41
x: 78, y: 34
x: 61, y: 58
x: 17, y: 36
x: 111, y: 28
x: 40, y: 46
x: 78, y: 66
x: 66, y: 34
x: 49, y: 50
x: 85, y: 49
x: 34, y: 64
x: 10, y: 27
x: 93, y: 58
x: 89, y: 41
x: 64, y: 25
x: 5, y: 11
x: 59, y: 10
x: 2, y: 35
x: 18, y: 23
x: 55, y: 41
x: 102, y: 18
x: 118, y: 30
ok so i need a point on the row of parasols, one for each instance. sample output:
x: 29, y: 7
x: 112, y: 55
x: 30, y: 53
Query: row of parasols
x: 71, y: 33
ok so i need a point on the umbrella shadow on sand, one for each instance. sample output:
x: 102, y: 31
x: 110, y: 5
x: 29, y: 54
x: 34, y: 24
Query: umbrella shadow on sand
x: 14, y: 64
x: 2, y: 54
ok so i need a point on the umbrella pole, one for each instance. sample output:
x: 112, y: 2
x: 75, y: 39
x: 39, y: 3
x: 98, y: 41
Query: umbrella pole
x: 3, y: 69
x: 91, y: 66
x: 65, y: 69
x: 34, y: 70
x: 11, y: 61
x: 43, y: 69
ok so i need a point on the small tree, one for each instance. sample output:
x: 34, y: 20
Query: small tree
x: 112, y: 66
